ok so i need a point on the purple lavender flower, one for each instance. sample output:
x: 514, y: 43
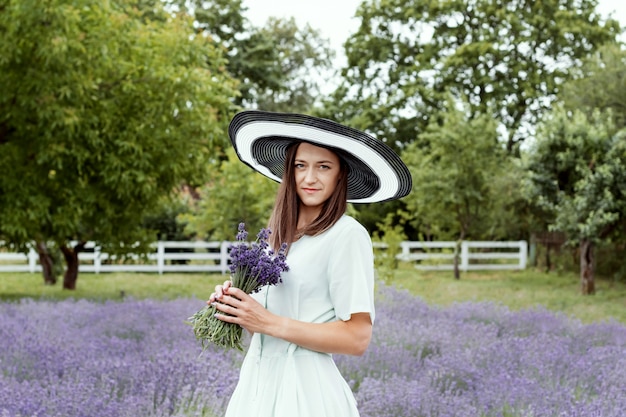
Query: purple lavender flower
x: 130, y: 358
x: 466, y: 360
x: 252, y: 266
x: 242, y: 234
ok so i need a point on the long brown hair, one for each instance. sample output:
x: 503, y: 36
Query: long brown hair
x: 284, y: 220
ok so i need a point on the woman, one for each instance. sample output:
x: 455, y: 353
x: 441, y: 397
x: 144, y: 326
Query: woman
x: 325, y: 304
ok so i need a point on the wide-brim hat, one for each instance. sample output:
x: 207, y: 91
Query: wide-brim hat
x: 376, y: 172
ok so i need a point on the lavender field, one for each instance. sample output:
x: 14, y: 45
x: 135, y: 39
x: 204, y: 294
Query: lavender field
x: 138, y: 358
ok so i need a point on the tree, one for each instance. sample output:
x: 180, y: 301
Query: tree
x: 456, y: 186
x: 600, y: 85
x: 251, y: 55
x: 508, y: 59
x: 303, y: 57
x: 103, y: 112
x: 577, y: 175
x: 233, y: 194
x: 278, y: 65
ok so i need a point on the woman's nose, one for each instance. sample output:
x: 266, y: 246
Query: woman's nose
x: 310, y: 176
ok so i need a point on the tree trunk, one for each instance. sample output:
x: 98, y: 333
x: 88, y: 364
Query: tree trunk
x: 532, y: 255
x: 47, y: 264
x: 587, y: 283
x: 457, y: 250
x: 71, y: 258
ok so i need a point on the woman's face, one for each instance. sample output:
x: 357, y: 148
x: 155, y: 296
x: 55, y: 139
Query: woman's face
x: 317, y: 172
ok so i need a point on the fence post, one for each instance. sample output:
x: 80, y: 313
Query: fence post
x: 160, y: 256
x: 224, y: 256
x: 523, y: 254
x: 464, y: 255
x: 32, y: 260
x: 97, y: 251
x: 406, y: 250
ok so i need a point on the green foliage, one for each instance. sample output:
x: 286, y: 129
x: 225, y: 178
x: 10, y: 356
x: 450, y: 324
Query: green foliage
x: 233, y: 194
x: 600, y: 85
x: 57, y: 260
x: 577, y: 175
x: 302, y: 59
x: 462, y: 183
x: 274, y: 63
x: 390, y: 234
x: 103, y: 112
x: 610, y: 254
x: 369, y: 215
x: 251, y: 54
x: 508, y: 59
x: 165, y: 220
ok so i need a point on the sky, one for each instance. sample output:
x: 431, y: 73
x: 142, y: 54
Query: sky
x: 335, y: 18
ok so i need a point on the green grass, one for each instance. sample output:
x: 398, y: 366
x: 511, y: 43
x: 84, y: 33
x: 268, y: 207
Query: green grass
x: 515, y: 289
x: 111, y: 286
x: 518, y: 290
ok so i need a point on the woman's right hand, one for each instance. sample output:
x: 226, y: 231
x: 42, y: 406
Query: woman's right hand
x: 220, y: 290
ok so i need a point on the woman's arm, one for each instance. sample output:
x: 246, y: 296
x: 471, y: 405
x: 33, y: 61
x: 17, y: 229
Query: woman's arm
x: 350, y: 337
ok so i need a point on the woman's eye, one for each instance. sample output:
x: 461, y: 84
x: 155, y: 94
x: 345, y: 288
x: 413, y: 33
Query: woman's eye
x: 324, y: 167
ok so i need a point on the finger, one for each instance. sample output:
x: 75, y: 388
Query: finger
x: 226, y: 318
x: 229, y: 300
x: 225, y: 307
x: 226, y: 312
x: 234, y: 292
x: 219, y: 291
x: 211, y: 298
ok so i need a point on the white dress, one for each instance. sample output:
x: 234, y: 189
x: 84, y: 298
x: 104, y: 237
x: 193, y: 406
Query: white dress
x: 330, y: 277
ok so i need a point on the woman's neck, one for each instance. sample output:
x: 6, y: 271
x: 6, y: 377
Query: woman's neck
x: 306, y: 216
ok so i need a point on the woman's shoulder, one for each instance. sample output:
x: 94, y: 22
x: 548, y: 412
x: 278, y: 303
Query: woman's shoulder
x: 348, y: 225
x: 349, y: 238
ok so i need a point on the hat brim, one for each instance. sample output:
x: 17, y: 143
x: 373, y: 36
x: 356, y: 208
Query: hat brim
x: 376, y: 172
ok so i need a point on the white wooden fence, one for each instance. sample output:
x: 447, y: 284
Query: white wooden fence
x: 190, y: 256
x: 200, y: 256
x: 479, y: 255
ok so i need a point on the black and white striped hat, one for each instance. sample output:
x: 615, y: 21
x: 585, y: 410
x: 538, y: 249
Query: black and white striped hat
x: 376, y: 172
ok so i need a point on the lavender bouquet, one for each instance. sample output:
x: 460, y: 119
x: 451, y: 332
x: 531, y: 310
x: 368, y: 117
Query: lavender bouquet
x: 252, y: 266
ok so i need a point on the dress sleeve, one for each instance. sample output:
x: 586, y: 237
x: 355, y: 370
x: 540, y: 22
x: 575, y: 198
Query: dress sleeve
x: 351, y: 272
